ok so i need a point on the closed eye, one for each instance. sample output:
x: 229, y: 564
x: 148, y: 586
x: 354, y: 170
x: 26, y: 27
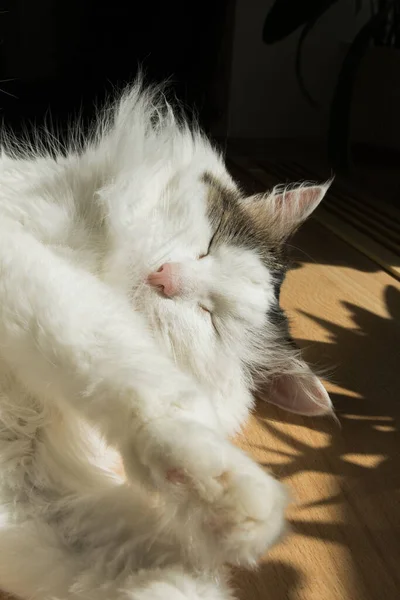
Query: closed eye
x: 211, y: 242
x: 205, y: 253
x: 204, y: 309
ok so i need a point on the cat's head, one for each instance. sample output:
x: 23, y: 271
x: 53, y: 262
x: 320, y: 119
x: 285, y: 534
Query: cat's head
x: 213, y: 294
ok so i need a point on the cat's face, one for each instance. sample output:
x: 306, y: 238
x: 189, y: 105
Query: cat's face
x: 211, y: 296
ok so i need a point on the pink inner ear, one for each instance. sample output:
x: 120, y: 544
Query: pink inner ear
x: 292, y: 207
x: 301, y: 395
x: 296, y: 205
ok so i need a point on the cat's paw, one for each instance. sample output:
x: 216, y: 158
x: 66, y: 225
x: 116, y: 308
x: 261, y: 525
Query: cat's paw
x: 248, y: 515
x: 240, y: 506
x: 243, y: 506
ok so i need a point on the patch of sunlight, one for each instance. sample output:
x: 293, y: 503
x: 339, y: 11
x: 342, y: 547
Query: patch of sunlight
x: 366, y: 417
x: 384, y: 428
x: 370, y: 461
x: 334, y: 388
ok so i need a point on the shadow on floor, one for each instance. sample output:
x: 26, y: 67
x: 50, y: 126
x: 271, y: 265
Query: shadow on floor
x: 364, y: 454
x: 273, y: 580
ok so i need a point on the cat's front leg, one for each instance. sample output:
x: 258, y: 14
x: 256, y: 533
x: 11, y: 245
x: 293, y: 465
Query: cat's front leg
x: 72, y: 340
x: 228, y: 504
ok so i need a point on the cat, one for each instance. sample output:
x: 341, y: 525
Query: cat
x: 139, y: 311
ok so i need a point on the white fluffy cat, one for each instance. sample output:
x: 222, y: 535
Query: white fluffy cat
x: 138, y: 310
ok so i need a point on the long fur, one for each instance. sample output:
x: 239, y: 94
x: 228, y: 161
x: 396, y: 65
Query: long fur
x: 96, y: 364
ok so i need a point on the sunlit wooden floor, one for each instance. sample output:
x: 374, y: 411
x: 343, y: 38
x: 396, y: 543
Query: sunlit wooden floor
x: 345, y: 540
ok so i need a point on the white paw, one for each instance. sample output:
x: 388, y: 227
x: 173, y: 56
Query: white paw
x: 244, y: 507
x: 241, y: 506
x: 248, y: 516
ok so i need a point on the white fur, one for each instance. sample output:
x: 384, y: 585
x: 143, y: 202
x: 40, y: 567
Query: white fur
x: 93, y: 359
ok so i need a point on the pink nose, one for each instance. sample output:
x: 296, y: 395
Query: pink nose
x: 166, y: 279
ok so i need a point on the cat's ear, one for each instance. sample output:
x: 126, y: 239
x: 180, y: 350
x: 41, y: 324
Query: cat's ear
x: 299, y: 392
x: 283, y: 210
x: 301, y: 395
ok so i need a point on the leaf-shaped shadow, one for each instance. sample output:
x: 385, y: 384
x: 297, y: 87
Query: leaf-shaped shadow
x: 363, y: 455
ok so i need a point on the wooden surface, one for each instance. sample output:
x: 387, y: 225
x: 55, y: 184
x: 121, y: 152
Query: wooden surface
x: 345, y: 540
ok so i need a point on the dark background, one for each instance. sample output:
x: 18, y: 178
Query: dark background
x: 60, y: 59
